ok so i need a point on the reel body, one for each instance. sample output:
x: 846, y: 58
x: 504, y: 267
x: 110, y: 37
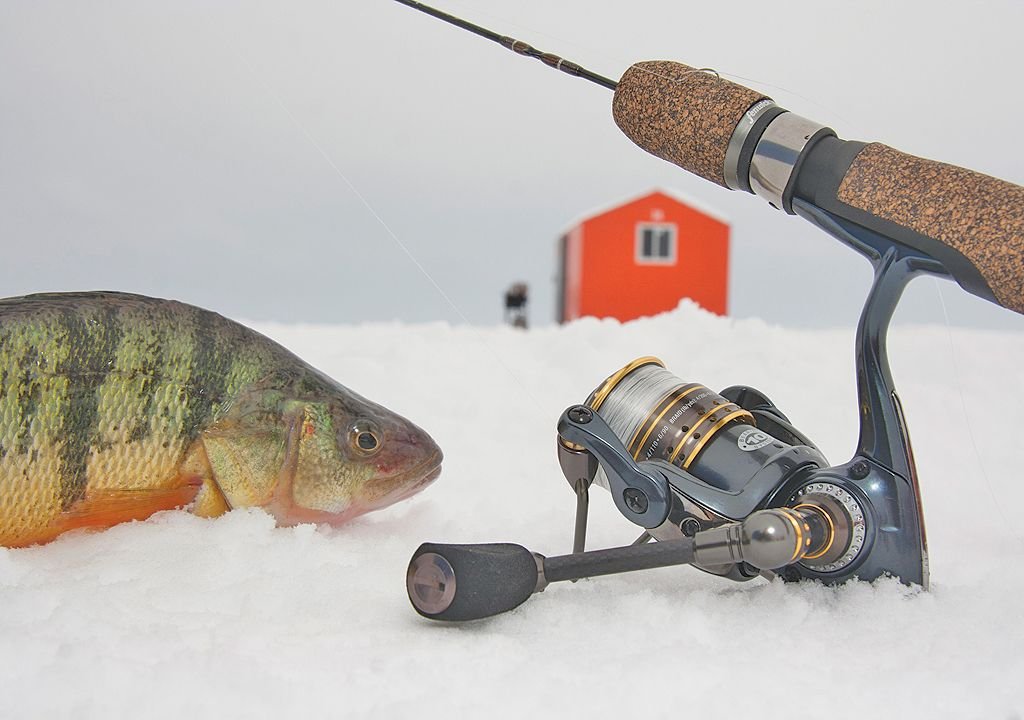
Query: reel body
x: 723, y: 457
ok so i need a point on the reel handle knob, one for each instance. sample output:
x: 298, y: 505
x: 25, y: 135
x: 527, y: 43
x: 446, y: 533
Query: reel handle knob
x: 468, y: 582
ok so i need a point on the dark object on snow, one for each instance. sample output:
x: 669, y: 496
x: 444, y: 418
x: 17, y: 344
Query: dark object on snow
x: 515, y: 305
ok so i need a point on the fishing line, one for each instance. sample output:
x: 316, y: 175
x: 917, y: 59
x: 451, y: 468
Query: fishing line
x: 352, y: 187
x: 959, y: 385
x: 394, y: 236
x: 628, y: 407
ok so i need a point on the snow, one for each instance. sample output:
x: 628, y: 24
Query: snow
x: 234, y: 617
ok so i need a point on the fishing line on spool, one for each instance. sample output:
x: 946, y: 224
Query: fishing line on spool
x: 626, y: 408
x: 658, y: 416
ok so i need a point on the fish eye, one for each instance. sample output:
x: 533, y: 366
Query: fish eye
x: 365, y: 437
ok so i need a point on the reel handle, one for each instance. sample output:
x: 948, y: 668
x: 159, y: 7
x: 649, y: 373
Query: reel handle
x: 468, y: 582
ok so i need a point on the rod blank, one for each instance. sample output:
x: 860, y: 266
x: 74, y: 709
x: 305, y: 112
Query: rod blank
x: 516, y: 46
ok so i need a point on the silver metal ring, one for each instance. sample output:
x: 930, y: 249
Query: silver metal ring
x: 776, y: 155
x: 857, y: 530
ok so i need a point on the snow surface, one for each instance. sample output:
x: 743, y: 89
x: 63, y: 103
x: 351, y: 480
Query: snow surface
x: 234, y: 617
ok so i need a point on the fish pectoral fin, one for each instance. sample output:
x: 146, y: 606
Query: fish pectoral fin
x: 244, y: 465
x: 210, y: 500
x: 105, y: 508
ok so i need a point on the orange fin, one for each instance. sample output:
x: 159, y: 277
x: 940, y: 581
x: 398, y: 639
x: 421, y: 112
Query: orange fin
x: 105, y: 508
x: 210, y: 500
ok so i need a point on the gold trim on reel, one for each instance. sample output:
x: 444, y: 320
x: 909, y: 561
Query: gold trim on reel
x: 599, y: 395
x: 658, y: 416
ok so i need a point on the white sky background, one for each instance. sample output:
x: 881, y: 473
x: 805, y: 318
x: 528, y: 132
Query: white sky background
x: 184, y: 150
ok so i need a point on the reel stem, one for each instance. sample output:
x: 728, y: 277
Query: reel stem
x: 579, y: 537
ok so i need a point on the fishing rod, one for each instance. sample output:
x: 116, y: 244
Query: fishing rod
x: 516, y: 46
x: 723, y: 481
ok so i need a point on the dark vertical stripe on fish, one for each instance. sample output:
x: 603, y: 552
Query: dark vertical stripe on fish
x: 149, y: 369
x: 92, y: 343
x: 209, y: 374
x: 28, y: 400
x: 5, y: 338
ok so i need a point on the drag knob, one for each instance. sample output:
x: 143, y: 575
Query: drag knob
x: 467, y: 582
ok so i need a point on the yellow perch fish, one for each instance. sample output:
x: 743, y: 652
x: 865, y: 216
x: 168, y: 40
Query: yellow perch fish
x: 116, y: 406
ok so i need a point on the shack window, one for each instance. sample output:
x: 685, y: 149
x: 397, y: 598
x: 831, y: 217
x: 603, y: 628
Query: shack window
x: 656, y: 244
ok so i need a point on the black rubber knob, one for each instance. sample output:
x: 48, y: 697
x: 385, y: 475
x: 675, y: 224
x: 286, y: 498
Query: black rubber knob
x: 467, y: 582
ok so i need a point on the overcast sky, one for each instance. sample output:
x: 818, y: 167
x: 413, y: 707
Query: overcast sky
x: 262, y: 158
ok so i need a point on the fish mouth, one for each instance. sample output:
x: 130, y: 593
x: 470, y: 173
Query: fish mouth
x: 429, y: 478
x: 404, y: 484
x: 296, y: 514
x: 429, y: 470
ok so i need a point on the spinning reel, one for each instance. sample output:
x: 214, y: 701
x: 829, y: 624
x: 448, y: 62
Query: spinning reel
x: 723, y: 481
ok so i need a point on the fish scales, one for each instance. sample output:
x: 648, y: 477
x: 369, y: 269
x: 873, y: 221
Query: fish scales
x: 126, y: 395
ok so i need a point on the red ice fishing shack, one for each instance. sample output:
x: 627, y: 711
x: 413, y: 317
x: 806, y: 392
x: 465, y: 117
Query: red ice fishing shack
x: 642, y: 257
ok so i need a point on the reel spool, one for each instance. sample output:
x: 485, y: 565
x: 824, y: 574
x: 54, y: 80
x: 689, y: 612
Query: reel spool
x: 657, y: 416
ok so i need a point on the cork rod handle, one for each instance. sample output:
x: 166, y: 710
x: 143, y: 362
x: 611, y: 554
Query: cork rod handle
x: 681, y: 114
x: 979, y: 216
